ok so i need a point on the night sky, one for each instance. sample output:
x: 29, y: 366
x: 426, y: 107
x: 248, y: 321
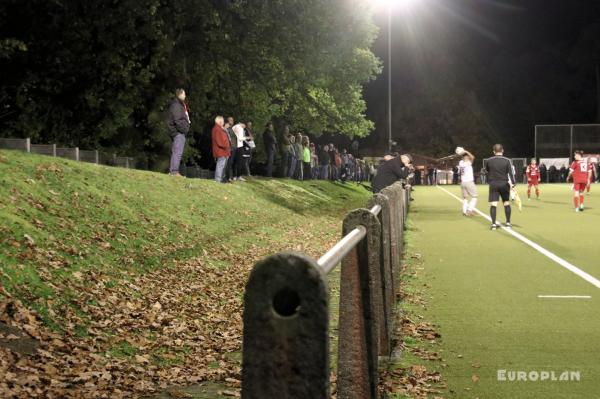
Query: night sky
x: 503, y: 65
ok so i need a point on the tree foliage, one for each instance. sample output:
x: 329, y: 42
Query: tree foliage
x: 99, y: 73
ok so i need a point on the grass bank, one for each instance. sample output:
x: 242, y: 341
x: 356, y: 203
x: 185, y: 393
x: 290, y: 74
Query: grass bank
x: 129, y: 281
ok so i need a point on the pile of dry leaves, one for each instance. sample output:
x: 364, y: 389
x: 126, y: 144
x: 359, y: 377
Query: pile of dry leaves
x: 177, y: 325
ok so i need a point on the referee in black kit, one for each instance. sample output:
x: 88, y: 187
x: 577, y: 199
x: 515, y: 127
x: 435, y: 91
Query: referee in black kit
x: 501, y: 177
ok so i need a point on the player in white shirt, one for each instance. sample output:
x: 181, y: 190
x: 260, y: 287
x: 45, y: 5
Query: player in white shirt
x: 467, y: 183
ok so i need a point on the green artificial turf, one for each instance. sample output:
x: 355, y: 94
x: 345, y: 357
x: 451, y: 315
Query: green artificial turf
x: 482, y: 289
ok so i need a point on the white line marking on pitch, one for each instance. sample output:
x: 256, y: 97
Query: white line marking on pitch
x: 587, y: 277
x: 566, y: 296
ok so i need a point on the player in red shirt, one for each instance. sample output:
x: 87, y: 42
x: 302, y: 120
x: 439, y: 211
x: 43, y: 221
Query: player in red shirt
x: 533, y: 179
x: 581, y: 171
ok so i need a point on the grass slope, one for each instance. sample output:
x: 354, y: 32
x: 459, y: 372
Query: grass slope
x: 482, y: 290
x: 136, y: 268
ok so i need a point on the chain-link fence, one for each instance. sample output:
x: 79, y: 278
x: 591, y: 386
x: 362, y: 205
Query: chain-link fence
x: 92, y: 156
x: 559, y: 141
x: 73, y: 153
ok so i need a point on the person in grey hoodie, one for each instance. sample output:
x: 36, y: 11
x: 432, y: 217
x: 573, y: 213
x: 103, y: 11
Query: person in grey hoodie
x: 179, y: 126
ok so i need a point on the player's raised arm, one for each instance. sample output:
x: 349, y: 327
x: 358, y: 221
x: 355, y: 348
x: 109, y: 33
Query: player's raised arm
x: 471, y: 156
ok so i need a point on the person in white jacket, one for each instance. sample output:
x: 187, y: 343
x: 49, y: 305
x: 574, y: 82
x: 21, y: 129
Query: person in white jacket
x: 238, y: 129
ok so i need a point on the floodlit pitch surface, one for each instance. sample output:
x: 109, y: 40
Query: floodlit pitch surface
x: 499, y: 303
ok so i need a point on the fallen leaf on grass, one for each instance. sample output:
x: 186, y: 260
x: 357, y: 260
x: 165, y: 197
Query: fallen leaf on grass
x: 179, y: 394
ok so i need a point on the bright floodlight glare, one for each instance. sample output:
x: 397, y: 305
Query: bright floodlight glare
x: 402, y: 5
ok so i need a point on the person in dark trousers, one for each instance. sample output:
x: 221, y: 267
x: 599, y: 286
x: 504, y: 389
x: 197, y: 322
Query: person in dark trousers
x: 299, y: 151
x: 324, y: 162
x: 179, y: 126
x: 390, y: 170
x: 332, y: 169
x: 501, y: 178
x: 455, y: 174
x: 430, y: 172
x: 270, y: 147
x: 229, y: 124
x: 544, y: 173
x: 285, y: 151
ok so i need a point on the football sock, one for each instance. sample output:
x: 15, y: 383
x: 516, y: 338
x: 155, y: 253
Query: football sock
x: 581, y: 198
x: 507, y: 211
x: 493, y: 214
x: 537, y: 193
x: 472, y: 204
x: 576, y: 202
x: 465, y: 206
x: 528, y: 193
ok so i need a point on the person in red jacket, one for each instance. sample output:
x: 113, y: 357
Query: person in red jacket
x: 221, y: 147
x: 533, y: 179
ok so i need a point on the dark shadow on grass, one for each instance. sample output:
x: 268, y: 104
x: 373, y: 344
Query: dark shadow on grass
x: 309, y: 205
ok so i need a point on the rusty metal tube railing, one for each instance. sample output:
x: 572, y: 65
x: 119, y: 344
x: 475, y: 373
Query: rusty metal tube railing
x: 286, y: 310
x: 334, y: 256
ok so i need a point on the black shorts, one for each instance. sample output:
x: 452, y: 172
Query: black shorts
x: 499, y: 190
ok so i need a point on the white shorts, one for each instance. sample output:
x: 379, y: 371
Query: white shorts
x: 468, y: 189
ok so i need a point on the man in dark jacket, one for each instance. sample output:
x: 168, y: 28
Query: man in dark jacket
x: 229, y: 124
x: 390, y: 170
x: 179, y: 126
x: 270, y: 147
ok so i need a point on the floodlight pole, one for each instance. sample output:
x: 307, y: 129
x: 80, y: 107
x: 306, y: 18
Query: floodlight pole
x: 389, y: 56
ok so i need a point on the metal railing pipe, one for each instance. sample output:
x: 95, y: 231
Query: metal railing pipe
x: 334, y: 256
x: 375, y: 210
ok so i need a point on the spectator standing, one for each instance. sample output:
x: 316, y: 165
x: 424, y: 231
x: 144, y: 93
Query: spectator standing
x: 238, y: 130
x: 430, y: 175
x: 314, y: 161
x: 324, y: 160
x: 179, y: 126
x: 221, y: 147
x: 455, y: 174
x: 483, y: 175
x: 306, y: 158
x: 229, y: 124
x: 292, y: 156
x: 338, y: 164
x: 417, y: 177
x: 285, y: 151
x: 332, y: 174
x: 249, y: 147
x: 298, y: 174
x: 270, y: 147
x: 544, y: 173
